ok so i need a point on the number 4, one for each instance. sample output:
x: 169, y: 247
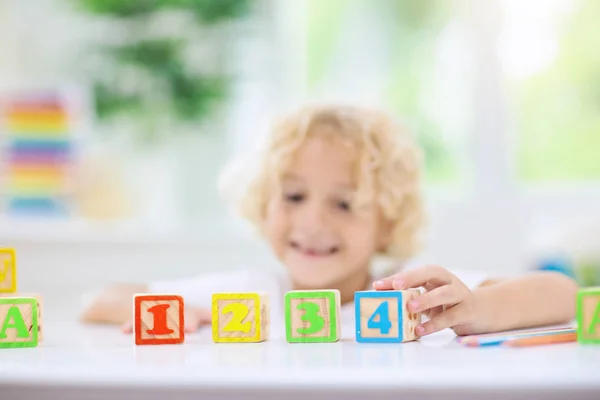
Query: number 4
x: 383, y: 324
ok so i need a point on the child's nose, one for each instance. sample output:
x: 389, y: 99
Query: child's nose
x: 313, y: 218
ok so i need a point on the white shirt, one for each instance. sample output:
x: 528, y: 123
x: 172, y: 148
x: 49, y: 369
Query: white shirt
x: 197, y: 292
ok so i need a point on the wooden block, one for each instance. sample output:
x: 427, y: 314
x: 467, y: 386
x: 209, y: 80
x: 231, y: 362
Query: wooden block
x: 18, y: 322
x: 588, y: 315
x: 382, y: 316
x: 158, y: 319
x: 240, y: 317
x: 39, y: 309
x: 312, y: 316
x: 8, y: 271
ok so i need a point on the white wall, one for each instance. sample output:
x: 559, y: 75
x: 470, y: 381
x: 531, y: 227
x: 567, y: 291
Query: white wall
x: 494, y: 225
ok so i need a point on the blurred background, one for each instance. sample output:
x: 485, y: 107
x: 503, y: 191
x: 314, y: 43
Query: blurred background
x: 117, y: 116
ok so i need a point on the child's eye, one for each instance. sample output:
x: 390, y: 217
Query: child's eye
x: 294, y: 197
x: 343, y: 205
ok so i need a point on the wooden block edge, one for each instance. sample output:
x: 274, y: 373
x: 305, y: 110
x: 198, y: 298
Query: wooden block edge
x: 35, y: 322
x: 137, y: 298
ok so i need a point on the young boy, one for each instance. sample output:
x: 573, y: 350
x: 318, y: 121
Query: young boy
x: 336, y: 186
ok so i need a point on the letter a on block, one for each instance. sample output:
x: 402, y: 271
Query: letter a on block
x: 158, y: 319
x: 8, y: 271
x: 588, y: 315
x: 18, y: 322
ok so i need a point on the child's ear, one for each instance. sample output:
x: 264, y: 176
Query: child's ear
x: 385, y: 234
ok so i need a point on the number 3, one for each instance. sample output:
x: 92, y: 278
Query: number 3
x: 240, y: 311
x: 312, y: 316
x: 384, y: 324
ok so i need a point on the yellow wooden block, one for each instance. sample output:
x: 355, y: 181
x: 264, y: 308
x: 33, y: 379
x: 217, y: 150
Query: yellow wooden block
x: 240, y: 317
x: 8, y: 271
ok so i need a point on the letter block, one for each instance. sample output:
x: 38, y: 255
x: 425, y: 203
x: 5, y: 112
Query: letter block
x: 158, y: 319
x: 39, y: 308
x: 8, y: 271
x: 588, y: 315
x: 240, y: 317
x: 382, y: 316
x: 312, y: 316
x: 18, y: 322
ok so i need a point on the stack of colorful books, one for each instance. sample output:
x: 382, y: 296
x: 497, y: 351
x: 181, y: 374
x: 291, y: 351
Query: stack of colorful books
x: 37, y: 154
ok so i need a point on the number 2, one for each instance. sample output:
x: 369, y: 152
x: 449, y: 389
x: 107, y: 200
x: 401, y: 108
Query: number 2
x: 384, y: 324
x: 312, y: 316
x: 240, y: 311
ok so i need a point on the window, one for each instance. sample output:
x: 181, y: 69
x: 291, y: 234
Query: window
x: 409, y: 57
x: 550, y: 53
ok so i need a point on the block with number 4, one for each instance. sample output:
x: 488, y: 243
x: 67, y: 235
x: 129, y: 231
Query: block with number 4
x: 588, y: 315
x: 240, y: 317
x: 158, y: 319
x: 382, y: 316
x: 312, y: 316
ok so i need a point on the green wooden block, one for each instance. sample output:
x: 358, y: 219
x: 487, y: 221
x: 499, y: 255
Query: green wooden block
x: 18, y: 322
x: 312, y: 316
x: 588, y: 315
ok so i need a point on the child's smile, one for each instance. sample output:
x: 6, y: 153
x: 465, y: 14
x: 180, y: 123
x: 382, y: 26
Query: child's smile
x: 314, y: 250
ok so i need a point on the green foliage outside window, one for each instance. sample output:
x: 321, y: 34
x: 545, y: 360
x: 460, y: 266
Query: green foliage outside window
x: 413, y: 27
x: 557, y: 110
x: 167, y: 85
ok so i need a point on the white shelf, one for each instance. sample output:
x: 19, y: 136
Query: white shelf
x: 213, y: 233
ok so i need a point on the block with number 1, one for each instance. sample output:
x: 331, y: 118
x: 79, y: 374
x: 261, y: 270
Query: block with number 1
x: 158, y: 319
x: 382, y: 316
x: 312, y: 316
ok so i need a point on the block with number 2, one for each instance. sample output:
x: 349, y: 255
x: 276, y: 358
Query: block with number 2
x: 312, y: 316
x: 240, y: 317
x: 382, y: 316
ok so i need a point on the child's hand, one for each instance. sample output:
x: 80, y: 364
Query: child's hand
x: 194, y: 318
x: 447, y: 302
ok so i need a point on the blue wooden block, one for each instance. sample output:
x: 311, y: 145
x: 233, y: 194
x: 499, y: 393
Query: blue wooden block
x: 382, y: 316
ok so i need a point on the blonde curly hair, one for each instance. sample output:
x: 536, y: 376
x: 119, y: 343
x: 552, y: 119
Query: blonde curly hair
x: 388, y: 168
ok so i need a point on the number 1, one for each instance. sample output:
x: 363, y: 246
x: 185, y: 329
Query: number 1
x: 160, y: 320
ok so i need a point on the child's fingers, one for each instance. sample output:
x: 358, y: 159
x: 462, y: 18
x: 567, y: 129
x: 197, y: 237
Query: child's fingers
x: 127, y: 327
x: 432, y: 274
x: 385, y: 283
x: 440, y: 296
x: 197, y: 317
x: 447, y: 319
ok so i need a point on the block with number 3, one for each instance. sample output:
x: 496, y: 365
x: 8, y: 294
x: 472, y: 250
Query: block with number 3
x: 382, y: 316
x: 240, y: 317
x: 312, y: 316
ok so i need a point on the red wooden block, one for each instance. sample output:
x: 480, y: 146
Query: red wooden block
x: 158, y: 319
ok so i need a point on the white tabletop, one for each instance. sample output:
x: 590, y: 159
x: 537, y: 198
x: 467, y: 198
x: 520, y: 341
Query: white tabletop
x: 79, y: 362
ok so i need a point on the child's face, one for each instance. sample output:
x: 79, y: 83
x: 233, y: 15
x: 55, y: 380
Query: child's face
x: 312, y: 226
